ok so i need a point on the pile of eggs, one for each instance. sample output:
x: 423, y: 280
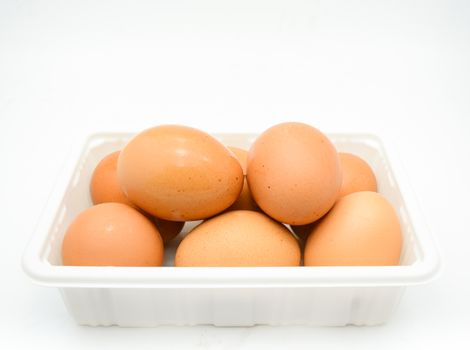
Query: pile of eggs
x: 290, y: 199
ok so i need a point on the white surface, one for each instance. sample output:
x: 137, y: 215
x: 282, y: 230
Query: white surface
x: 397, y: 68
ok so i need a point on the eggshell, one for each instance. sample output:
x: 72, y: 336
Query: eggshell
x: 245, y: 200
x: 112, y: 234
x: 293, y: 172
x: 361, y: 229
x: 239, y: 238
x: 179, y: 173
x: 357, y: 175
x: 168, y: 229
x: 104, y: 186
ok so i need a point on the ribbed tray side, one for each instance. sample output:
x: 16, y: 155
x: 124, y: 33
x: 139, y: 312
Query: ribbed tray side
x: 321, y: 306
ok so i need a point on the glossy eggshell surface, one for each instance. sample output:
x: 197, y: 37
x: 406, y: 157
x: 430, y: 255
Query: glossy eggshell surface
x: 239, y: 238
x: 179, y: 173
x: 104, y: 186
x: 112, y: 234
x: 357, y: 175
x: 293, y: 173
x: 361, y: 229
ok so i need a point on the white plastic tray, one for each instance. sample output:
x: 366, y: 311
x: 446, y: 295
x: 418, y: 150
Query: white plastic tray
x: 151, y: 296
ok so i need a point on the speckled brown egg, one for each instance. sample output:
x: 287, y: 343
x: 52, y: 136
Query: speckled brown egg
x: 104, y: 186
x: 179, y: 173
x: 357, y: 175
x: 245, y: 200
x: 239, y: 238
x: 361, y: 229
x: 112, y: 234
x: 294, y: 173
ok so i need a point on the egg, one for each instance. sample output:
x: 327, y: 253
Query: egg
x: 168, y: 229
x: 293, y: 172
x: 357, y: 175
x: 361, y: 229
x: 245, y: 200
x: 239, y: 238
x: 104, y: 185
x: 179, y: 173
x: 112, y: 234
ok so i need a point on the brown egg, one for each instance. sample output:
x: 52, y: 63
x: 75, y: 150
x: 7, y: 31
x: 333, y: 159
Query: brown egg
x: 357, y: 175
x: 239, y: 238
x: 168, y: 229
x: 112, y: 234
x: 294, y: 173
x: 104, y: 186
x: 361, y: 229
x: 245, y: 200
x: 179, y: 173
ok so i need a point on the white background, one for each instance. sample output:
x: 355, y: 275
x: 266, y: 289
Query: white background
x: 400, y: 69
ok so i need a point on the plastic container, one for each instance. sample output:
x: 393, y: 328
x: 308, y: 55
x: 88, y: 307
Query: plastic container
x: 151, y: 296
